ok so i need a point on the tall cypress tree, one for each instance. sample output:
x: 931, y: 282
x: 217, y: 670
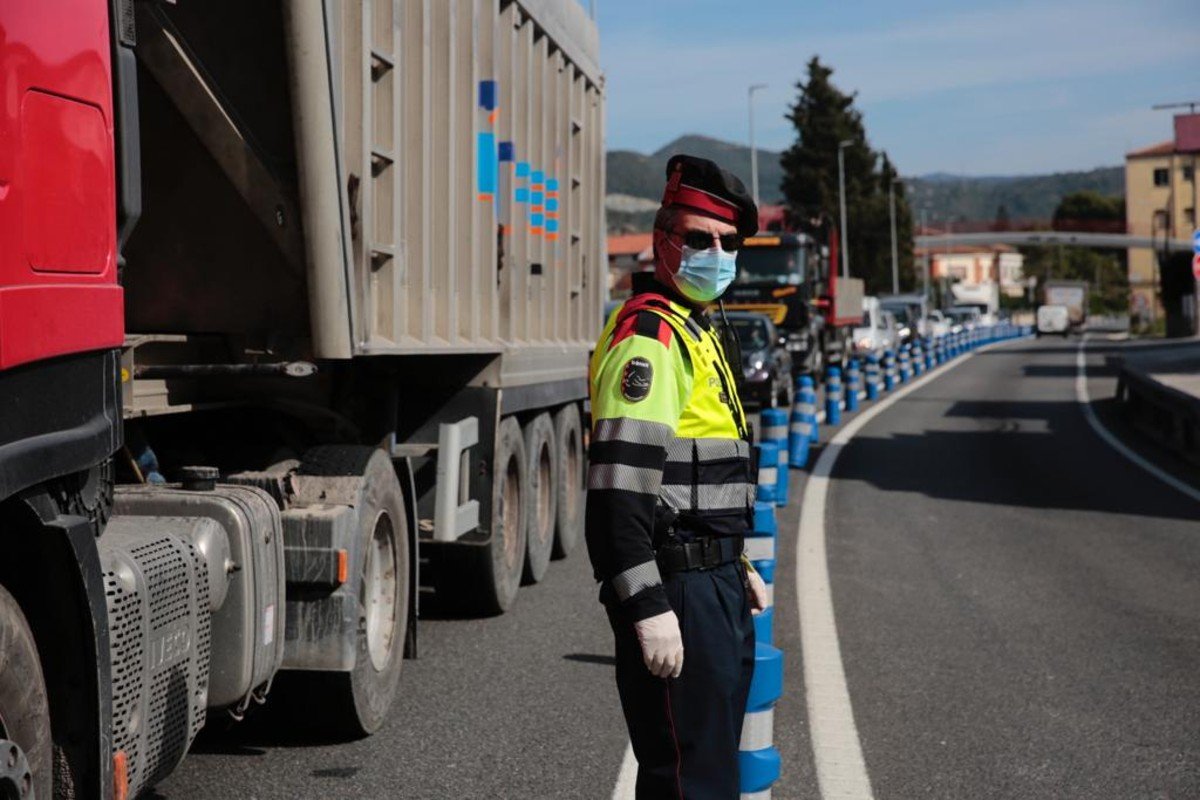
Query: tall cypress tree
x: 824, y: 116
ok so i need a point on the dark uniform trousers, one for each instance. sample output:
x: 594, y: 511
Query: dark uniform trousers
x: 685, y: 731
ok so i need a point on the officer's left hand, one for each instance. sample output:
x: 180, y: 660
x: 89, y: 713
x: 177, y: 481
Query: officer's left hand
x: 757, y: 589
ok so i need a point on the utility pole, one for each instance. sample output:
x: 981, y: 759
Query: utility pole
x: 842, y: 145
x: 892, y: 213
x: 753, y: 150
x: 926, y: 260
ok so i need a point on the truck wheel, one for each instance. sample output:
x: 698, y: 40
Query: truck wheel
x: 484, y: 579
x: 569, y: 483
x: 357, y: 702
x: 510, y: 505
x: 541, y: 470
x: 25, y: 746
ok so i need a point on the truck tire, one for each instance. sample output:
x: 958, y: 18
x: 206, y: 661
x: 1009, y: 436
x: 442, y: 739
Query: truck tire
x: 356, y: 703
x: 27, y: 761
x: 541, y: 472
x: 506, y: 550
x: 569, y: 483
x: 483, y: 579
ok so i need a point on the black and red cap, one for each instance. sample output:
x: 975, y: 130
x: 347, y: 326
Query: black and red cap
x: 699, y: 185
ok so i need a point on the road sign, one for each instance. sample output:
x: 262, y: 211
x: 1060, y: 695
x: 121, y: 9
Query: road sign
x: 1196, y: 241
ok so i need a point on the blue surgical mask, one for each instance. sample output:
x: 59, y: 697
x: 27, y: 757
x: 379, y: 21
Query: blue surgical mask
x: 704, y: 275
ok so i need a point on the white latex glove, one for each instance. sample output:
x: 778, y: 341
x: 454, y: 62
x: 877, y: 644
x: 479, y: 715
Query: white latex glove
x: 757, y: 589
x: 662, y: 644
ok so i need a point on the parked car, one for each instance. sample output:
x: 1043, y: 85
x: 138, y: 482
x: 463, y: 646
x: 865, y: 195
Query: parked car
x: 1053, y: 319
x: 906, y: 320
x: 912, y: 312
x: 766, y: 363
x: 878, y: 331
x: 963, y: 318
x: 939, y: 324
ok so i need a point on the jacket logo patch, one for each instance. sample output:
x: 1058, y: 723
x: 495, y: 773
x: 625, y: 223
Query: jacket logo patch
x: 636, y: 378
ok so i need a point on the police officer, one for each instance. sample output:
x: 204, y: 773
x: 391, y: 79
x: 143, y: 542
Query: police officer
x: 671, y: 495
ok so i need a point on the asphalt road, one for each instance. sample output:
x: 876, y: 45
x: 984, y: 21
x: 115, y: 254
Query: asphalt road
x: 1018, y: 609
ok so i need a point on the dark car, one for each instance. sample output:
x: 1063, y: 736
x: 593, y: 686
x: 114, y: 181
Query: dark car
x: 766, y: 363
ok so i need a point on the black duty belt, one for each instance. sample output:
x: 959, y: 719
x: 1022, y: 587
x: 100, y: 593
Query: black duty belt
x: 704, y: 553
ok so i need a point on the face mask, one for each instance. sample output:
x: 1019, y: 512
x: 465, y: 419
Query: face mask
x: 704, y: 275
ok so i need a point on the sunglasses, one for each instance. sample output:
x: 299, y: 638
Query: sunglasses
x: 702, y: 240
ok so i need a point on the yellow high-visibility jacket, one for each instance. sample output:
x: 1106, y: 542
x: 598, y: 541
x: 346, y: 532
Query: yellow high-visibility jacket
x: 670, y: 452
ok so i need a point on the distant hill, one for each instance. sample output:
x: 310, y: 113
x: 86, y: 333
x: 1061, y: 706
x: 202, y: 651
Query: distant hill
x: 1025, y: 197
x: 642, y: 176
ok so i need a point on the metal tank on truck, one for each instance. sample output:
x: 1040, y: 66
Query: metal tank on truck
x: 296, y: 299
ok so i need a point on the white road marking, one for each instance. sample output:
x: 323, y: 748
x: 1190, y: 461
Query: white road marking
x: 837, y: 750
x: 1085, y: 402
x: 840, y: 767
x: 627, y: 777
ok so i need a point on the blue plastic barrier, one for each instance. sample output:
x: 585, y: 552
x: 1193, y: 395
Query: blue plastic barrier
x: 874, y: 377
x: 808, y: 394
x: 905, y: 364
x: 760, y: 550
x: 758, y: 759
x: 833, y: 396
x: 890, y: 377
x: 774, y: 425
x: 768, y: 470
x: 802, y: 425
x: 918, y: 357
x: 775, y: 429
x: 853, y: 385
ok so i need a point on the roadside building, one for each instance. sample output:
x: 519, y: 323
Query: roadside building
x: 1160, y: 202
x: 978, y: 270
x: 627, y: 253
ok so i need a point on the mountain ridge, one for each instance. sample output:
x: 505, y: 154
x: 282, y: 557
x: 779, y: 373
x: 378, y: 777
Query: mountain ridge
x: 943, y: 195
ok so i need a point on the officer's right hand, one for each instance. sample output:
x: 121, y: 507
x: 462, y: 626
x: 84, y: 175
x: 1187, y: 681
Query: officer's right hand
x: 662, y: 644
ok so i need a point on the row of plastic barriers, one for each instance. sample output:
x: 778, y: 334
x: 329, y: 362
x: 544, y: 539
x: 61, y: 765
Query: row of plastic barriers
x: 785, y: 444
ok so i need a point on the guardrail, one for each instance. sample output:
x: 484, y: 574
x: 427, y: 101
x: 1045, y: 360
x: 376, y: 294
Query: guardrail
x: 1164, y: 414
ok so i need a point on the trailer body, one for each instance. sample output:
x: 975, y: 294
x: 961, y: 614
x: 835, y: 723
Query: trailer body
x: 1072, y: 294
x: 295, y: 306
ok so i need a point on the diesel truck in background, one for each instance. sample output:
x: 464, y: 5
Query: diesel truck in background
x: 296, y: 298
x: 1071, y: 294
x: 793, y: 279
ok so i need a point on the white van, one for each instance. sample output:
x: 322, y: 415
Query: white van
x: 1053, y: 319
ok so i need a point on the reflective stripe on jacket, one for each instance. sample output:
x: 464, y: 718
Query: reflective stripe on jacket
x: 668, y: 446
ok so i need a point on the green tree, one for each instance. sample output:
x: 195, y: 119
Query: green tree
x: 1002, y: 222
x: 1083, y: 210
x: 824, y: 116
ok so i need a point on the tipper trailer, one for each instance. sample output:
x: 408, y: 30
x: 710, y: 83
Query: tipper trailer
x: 296, y: 298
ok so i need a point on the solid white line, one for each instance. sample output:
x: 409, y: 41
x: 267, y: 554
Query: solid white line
x: 837, y: 751
x: 832, y: 782
x: 1085, y: 402
x: 627, y: 777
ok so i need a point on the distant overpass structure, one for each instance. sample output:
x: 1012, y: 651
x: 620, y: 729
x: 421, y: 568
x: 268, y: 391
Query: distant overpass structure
x: 1115, y: 241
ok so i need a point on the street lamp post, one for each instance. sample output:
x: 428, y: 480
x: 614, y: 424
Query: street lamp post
x: 895, y: 254
x: 753, y: 150
x: 842, y: 145
x: 925, y: 283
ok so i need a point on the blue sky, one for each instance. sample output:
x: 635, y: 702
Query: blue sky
x: 978, y: 88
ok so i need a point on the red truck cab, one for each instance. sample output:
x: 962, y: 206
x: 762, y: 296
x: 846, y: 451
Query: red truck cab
x: 68, y: 191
